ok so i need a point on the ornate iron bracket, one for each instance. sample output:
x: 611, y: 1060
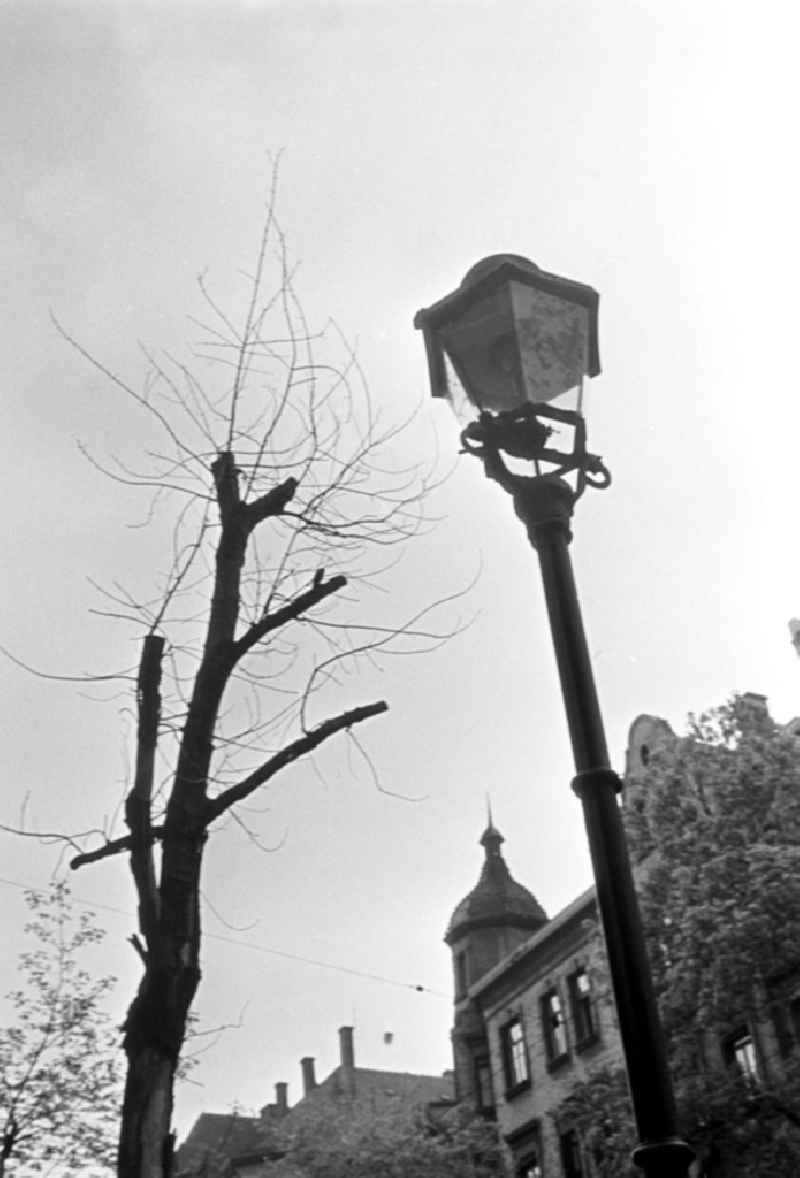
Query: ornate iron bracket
x: 521, y: 433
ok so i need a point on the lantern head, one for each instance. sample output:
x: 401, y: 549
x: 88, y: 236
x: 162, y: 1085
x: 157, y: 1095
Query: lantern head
x: 511, y: 335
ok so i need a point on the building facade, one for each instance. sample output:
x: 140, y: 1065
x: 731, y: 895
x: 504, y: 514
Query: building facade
x: 534, y: 1013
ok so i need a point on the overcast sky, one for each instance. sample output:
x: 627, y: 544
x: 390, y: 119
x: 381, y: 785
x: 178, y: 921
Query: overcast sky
x: 644, y: 148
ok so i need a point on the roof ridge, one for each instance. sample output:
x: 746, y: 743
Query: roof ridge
x: 416, y: 1075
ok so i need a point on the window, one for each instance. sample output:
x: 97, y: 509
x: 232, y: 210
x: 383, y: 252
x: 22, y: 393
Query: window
x: 530, y: 1168
x: 744, y: 1055
x: 483, y: 1086
x: 555, y: 1030
x: 571, y: 1162
x: 580, y: 1000
x: 740, y: 1052
x: 525, y: 1146
x: 515, y: 1055
x: 783, y: 1001
x: 794, y: 1017
x: 462, y: 973
x: 780, y: 1015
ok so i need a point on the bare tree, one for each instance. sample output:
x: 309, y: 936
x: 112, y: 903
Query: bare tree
x: 289, y: 501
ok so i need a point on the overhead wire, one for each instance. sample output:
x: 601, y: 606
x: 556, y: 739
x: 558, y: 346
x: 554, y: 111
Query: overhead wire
x: 255, y: 946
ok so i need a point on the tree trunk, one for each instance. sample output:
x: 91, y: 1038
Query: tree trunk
x: 154, y: 1033
x: 155, y: 1027
x: 169, y: 911
x: 10, y: 1135
x: 145, y: 1138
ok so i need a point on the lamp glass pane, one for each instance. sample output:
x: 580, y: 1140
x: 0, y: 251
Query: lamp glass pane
x: 553, y: 337
x: 461, y: 405
x: 483, y: 350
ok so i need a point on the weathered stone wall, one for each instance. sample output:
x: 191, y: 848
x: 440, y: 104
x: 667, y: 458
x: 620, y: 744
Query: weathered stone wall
x: 578, y: 946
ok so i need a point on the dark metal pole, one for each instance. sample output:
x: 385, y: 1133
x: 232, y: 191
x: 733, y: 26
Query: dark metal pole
x: 545, y: 507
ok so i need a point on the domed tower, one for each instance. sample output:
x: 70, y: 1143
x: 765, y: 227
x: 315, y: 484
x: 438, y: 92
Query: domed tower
x: 496, y: 916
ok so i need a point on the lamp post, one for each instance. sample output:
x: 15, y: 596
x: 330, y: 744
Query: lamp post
x: 513, y: 343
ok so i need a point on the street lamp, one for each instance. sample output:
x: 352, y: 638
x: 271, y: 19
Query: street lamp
x: 514, y: 343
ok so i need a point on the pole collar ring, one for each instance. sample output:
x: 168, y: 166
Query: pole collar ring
x: 587, y: 779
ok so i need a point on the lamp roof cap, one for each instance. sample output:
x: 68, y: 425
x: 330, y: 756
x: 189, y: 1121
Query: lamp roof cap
x: 492, y: 272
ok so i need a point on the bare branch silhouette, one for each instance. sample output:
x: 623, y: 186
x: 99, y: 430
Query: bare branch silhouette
x: 289, y: 497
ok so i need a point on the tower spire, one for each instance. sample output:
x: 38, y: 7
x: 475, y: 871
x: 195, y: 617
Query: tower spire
x: 491, y: 839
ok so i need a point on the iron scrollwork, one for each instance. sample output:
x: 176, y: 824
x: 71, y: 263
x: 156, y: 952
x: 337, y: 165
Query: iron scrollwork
x: 524, y: 433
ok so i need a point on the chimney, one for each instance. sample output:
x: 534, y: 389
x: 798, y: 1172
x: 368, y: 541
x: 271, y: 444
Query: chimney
x: 794, y: 633
x: 307, y: 1068
x: 346, y: 1053
x: 347, y: 1061
x: 753, y: 709
x: 755, y: 700
x: 281, y: 1103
